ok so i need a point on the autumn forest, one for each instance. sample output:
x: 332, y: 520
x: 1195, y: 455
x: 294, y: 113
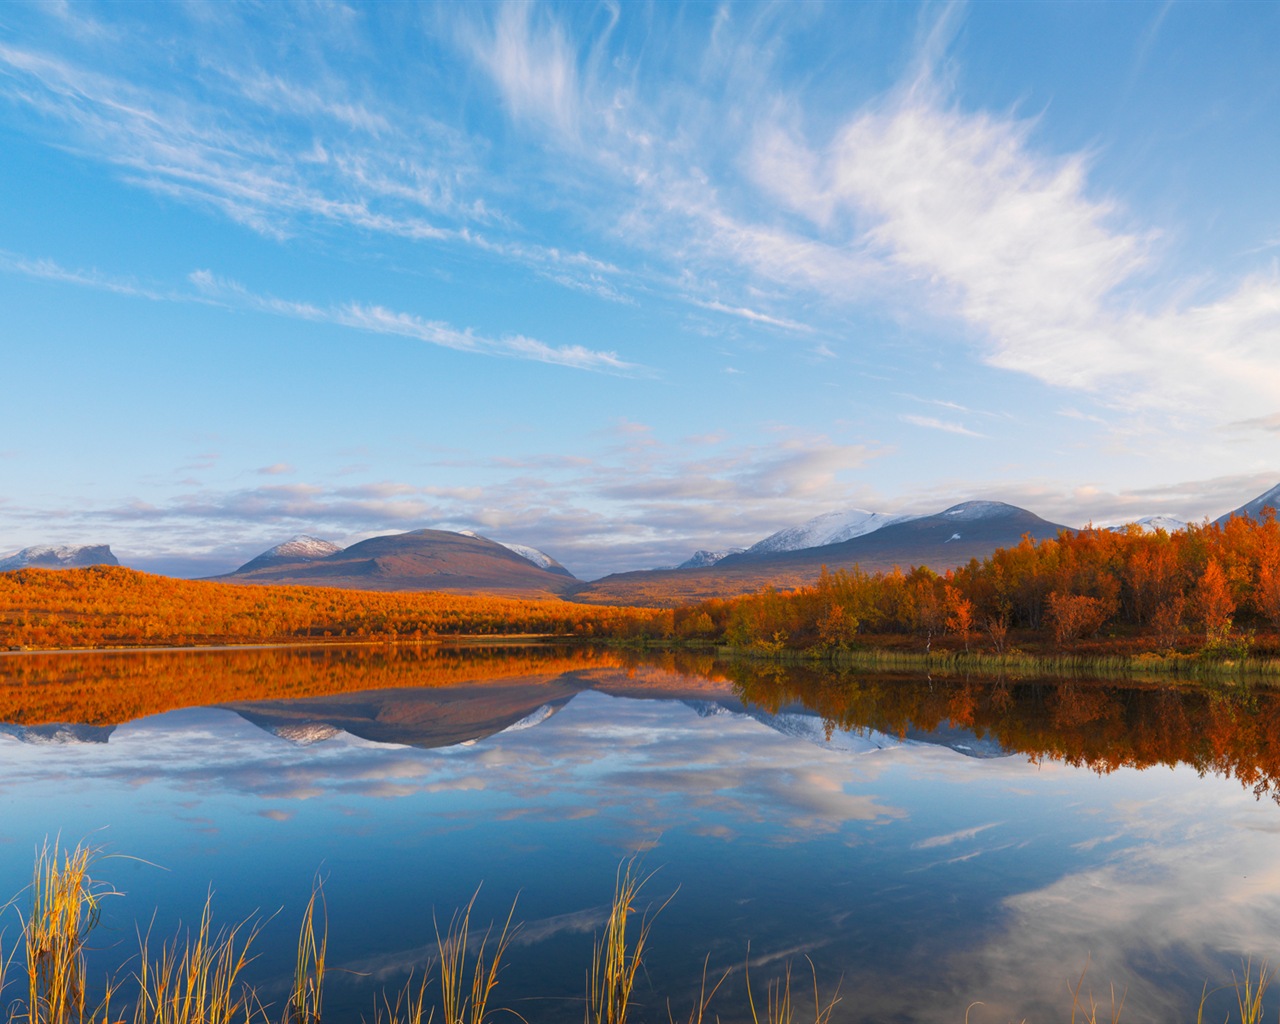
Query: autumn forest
x: 1208, y: 590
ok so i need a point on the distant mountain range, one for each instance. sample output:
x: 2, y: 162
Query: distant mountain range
x: 972, y: 529
x: 465, y: 562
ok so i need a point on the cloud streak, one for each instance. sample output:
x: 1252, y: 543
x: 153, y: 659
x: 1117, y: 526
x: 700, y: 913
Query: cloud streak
x: 380, y: 320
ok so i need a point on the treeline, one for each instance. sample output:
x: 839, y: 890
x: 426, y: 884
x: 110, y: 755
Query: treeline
x: 110, y: 606
x: 1207, y: 588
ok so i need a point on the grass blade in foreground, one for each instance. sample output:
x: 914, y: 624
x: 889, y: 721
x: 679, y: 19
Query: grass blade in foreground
x: 616, y: 962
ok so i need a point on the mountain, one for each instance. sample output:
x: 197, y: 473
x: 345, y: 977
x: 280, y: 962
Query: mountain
x: 1150, y: 524
x: 420, y: 560
x: 972, y: 529
x: 435, y: 717
x: 300, y: 549
x: 831, y: 528
x: 45, y: 557
x: 700, y: 559
x: 1253, y: 509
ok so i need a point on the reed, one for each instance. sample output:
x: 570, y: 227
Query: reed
x: 197, y: 979
x: 410, y: 1006
x: 307, y: 998
x: 1249, y: 991
x: 1089, y: 1014
x: 618, y: 954
x: 468, y: 1002
x: 699, y: 1011
x: 65, y: 906
x: 779, y: 1007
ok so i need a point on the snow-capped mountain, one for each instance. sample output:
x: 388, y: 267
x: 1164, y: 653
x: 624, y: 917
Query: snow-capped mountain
x: 67, y: 557
x: 1254, y: 508
x: 1150, y: 524
x: 830, y: 528
x: 301, y: 548
x: 702, y: 558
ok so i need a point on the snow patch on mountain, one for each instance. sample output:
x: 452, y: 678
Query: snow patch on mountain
x: 303, y: 548
x: 701, y: 558
x: 304, y: 734
x: 535, y: 717
x: 46, y: 556
x: 1150, y: 524
x: 830, y: 528
x: 539, y: 558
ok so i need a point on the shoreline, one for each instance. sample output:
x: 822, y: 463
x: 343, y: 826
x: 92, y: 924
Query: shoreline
x: 1150, y: 665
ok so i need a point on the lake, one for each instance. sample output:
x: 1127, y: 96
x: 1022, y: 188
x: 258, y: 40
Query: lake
x: 924, y: 844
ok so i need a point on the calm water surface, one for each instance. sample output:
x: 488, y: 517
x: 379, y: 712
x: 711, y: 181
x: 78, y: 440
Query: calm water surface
x: 925, y: 845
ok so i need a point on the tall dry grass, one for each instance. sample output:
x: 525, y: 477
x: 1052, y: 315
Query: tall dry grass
x: 65, y: 906
x: 463, y: 1000
x: 620, y: 951
x: 779, y: 1007
x: 306, y: 999
x: 197, y: 978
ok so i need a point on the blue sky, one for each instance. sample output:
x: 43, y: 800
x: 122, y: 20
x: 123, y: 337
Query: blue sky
x: 623, y: 282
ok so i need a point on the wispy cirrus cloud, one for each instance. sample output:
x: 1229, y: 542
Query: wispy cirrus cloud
x: 375, y: 319
x: 933, y: 423
x: 275, y: 155
x: 908, y: 203
x: 380, y: 320
x: 44, y: 269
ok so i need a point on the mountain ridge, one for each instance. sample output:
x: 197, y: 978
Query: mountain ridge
x: 416, y: 560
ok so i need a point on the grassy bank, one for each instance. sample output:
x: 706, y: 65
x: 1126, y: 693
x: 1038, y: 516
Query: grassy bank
x: 201, y: 976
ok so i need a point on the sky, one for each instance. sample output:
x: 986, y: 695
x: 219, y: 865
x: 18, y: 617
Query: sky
x: 625, y: 281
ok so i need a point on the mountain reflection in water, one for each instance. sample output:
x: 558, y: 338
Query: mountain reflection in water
x: 931, y: 842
